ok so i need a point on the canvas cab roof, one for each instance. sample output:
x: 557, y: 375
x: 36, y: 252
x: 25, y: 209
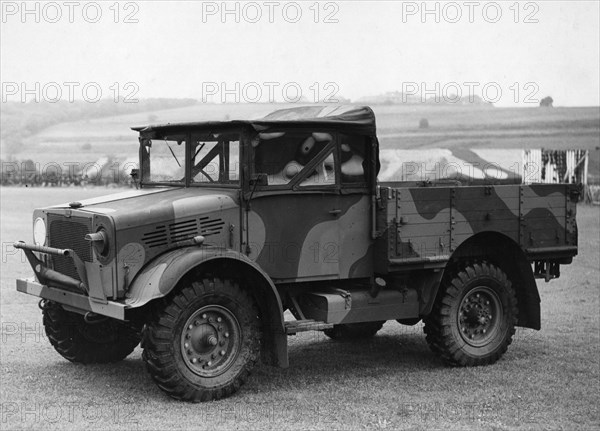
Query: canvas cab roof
x: 350, y: 118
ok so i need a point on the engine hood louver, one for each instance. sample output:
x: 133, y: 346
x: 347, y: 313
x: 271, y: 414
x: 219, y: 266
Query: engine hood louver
x: 169, y: 234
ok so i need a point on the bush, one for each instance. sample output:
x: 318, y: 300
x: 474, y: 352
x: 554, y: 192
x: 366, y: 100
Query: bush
x: 547, y: 102
x: 423, y: 124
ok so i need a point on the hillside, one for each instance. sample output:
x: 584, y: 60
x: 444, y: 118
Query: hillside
x: 21, y: 121
x: 452, y: 127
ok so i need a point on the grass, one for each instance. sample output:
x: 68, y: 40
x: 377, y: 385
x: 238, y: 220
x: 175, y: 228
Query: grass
x: 547, y: 380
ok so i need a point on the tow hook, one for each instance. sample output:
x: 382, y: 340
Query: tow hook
x: 93, y: 318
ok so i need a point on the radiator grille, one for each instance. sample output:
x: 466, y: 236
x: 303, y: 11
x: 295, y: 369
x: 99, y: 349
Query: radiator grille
x: 163, y: 235
x: 69, y: 233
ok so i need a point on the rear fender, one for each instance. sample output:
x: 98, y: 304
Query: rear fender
x: 508, y: 256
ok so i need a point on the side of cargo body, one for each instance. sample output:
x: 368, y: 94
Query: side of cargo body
x: 424, y: 226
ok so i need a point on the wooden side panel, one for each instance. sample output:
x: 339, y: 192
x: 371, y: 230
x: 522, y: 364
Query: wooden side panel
x: 423, y: 216
x: 423, y: 225
x: 544, y: 214
x: 484, y: 209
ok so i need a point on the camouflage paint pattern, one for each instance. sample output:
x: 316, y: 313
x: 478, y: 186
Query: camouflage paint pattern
x: 427, y: 224
x: 310, y: 236
x: 321, y: 232
x: 144, y: 224
x: 292, y: 237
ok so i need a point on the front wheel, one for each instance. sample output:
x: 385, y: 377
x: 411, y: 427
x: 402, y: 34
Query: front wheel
x: 474, y: 316
x: 204, y: 342
x: 78, y: 340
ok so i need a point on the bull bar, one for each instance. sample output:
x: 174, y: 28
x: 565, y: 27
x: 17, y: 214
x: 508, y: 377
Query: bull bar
x: 51, y: 284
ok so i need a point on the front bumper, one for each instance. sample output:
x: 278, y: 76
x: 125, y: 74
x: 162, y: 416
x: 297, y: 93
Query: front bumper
x: 72, y: 300
x: 82, y: 296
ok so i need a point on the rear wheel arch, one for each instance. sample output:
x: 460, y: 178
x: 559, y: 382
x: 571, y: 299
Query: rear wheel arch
x: 507, y: 255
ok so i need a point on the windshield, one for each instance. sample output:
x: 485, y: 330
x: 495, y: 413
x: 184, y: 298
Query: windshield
x: 164, y: 159
x: 213, y: 159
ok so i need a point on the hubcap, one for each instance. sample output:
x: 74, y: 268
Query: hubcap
x: 211, y: 341
x: 479, y: 316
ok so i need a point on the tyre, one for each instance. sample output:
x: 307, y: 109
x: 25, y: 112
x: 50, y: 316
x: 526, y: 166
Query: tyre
x: 353, y: 331
x: 203, y: 343
x: 474, y: 316
x: 107, y: 340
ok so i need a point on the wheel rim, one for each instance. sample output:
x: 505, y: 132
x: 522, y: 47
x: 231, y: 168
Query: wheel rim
x: 211, y: 341
x: 479, y: 316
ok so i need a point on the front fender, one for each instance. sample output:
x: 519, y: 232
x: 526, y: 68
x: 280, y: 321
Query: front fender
x: 162, y: 274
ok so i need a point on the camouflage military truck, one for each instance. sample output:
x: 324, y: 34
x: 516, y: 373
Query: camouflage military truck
x: 233, y: 223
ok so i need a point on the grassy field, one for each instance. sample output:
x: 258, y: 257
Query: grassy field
x: 450, y: 127
x: 547, y: 380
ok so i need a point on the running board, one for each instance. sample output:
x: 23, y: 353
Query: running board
x: 294, y: 326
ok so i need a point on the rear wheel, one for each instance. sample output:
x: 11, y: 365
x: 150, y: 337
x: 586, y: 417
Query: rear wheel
x: 353, y: 331
x: 102, y: 341
x: 204, y: 342
x: 474, y: 317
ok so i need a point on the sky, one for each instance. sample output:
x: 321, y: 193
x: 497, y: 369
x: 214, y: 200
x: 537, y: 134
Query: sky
x: 510, y: 53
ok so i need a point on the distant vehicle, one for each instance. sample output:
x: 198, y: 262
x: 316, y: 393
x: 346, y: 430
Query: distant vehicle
x: 236, y: 222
